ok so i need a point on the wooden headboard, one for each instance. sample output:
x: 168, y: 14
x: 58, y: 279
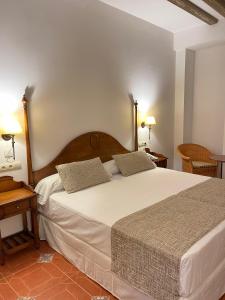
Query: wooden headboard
x: 86, y: 146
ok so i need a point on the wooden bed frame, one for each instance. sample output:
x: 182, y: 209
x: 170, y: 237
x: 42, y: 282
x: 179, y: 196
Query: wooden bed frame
x: 86, y: 146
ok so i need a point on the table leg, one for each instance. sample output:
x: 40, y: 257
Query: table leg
x: 2, y: 255
x: 24, y: 216
x: 34, y: 223
x: 35, y: 229
x: 221, y: 169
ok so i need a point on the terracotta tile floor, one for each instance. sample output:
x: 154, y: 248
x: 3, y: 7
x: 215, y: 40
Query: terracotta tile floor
x: 23, y: 276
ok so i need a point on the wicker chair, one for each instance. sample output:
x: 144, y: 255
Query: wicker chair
x: 196, y: 160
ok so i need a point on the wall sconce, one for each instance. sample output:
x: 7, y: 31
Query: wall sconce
x: 9, y: 127
x: 149, y: 122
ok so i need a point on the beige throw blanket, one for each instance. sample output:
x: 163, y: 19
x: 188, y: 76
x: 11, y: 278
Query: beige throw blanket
x: 147, y: 246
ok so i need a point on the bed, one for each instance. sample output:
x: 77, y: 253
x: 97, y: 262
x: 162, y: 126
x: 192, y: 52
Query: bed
x: 78, y: 225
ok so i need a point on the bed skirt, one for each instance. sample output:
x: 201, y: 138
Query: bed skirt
x: 97, y: 266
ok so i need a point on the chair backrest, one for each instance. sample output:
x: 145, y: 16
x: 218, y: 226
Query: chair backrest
x: 194, y: 151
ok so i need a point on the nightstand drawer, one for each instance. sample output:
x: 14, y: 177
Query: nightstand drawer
x: 16, y: 208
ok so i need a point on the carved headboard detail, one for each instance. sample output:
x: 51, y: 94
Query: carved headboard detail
x: 86, y: 146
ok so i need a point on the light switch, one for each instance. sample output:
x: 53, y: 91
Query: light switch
x: 7, y: 166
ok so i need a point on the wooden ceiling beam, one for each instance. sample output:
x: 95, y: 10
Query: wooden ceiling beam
x: 195, y: 10
x: 218, y: 5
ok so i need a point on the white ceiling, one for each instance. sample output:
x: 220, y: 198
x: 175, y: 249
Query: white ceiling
x: 162, y: 13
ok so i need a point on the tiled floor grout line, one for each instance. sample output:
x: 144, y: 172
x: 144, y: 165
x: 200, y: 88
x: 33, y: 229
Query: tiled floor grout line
x: 8, y: 283
x: 41, y: 264
x: 72, y: 279
x: 67, y: 276
x: 13, y: 290
x: 77, y: 282
x: 14, y: 273
x: 72, y: 295
x: 23, y: 282
x: 23, y: 269
x: 25, y: 285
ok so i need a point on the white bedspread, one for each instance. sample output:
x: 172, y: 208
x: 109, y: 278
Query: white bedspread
x: 90, y: 214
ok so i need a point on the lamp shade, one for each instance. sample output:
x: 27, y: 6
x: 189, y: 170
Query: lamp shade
x: 9, y: 125
x: 150, y: 120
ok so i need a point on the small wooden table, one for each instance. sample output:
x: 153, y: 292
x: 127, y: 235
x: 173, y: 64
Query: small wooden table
x: 17, y: 198
x: 161, y: 160
x: 221, y: 160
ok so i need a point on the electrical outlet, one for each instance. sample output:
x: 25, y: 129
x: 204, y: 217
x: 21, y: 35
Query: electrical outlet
x: 8, y: 166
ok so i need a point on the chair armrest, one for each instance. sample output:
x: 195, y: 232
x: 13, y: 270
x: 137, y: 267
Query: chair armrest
x: 187, y: 165
x: 210, y: 160
x: 183, y: 156
x: 186, y: 158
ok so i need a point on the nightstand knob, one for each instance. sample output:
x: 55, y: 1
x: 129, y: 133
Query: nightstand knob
x: 18, y: 206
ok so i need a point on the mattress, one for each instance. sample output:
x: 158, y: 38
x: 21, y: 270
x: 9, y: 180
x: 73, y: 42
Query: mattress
x: 97, y: 266
x: 89, y: 215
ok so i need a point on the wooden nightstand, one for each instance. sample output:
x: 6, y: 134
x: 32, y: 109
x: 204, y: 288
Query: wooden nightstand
x: 17, y: 198
x: 161, y: 159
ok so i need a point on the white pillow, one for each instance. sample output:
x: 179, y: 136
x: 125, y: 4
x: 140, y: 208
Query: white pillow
x: 48, y: 186
x: 111, y: 167
x: 151, y: 159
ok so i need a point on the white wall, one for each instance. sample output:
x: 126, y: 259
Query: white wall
x: 200, y: 36
x: 194, y: 39
x: 179, y: 104
x: 83, y: 58
x: 209, y: 98
x: 199, y: 99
